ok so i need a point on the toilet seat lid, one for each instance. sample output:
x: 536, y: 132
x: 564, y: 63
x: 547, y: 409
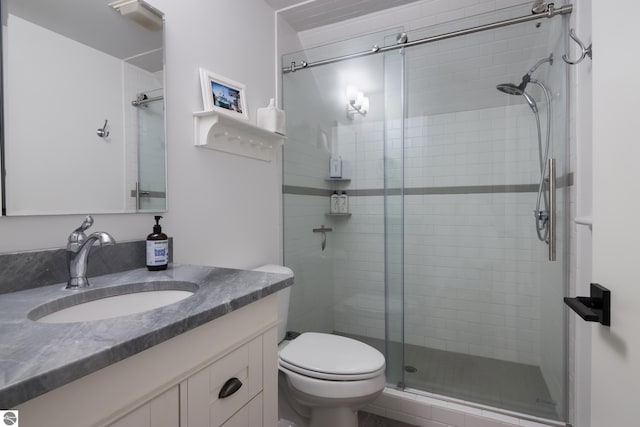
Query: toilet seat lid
x: 324, y: 354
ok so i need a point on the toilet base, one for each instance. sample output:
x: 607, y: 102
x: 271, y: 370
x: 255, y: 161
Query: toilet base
x: 309, y: 411
x: 334, y: 417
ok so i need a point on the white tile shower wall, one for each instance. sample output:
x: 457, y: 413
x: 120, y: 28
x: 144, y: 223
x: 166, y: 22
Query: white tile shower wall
x: 309, y: 132
x: 471, y: 260
x: 310, y: 308
x: 471, y: 276
x: 492, y: 146
x: 359, y: 269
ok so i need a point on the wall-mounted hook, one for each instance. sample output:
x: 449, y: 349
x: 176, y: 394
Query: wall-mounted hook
x: 103, y: 132
x: 586, y: 51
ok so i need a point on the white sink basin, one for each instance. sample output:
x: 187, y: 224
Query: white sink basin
x: 107, y: 303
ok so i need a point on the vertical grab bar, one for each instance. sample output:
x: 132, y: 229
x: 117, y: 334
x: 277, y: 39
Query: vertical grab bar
x: 552, y: 209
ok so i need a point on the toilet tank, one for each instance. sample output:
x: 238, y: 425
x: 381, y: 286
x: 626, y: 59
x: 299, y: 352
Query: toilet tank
x: 282, y: 295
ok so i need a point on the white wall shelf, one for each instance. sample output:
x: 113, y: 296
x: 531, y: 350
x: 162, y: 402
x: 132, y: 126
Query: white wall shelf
x: 217, y: 131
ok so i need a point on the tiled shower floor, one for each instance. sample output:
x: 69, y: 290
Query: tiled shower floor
x: 506, y: 385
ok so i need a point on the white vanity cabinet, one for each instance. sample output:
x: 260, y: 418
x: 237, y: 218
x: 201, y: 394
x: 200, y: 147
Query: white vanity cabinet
x: 202, y: 404
x: 177, y: 382
x: 162, y: 411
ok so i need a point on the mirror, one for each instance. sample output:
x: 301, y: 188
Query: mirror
x: 83, y: 99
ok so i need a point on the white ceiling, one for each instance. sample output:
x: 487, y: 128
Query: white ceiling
x: 304, y: 15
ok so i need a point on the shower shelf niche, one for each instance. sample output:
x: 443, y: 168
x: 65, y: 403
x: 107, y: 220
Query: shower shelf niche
x: 224, y: 133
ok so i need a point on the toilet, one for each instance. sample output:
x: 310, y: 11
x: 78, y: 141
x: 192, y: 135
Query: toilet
x: 324, y: 379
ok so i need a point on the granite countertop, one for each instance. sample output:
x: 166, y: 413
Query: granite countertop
x: 37, y: 357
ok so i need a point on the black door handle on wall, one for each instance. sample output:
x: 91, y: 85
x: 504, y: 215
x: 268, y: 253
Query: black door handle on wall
x: 231, y: 386
x: 595, y: 308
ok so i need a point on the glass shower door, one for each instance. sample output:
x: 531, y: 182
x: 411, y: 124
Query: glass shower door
x: 350, y: 285
x: 394, y: 169
x: 484, y: 317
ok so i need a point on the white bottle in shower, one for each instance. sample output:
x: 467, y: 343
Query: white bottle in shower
x: 335, y: 167
x: 335, y: 203
x: 343, y: 203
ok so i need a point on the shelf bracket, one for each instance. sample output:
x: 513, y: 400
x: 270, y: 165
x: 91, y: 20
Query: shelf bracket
x: 594, y: 308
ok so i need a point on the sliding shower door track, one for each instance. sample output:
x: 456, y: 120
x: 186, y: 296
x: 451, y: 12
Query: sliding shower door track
x: 402, y: 43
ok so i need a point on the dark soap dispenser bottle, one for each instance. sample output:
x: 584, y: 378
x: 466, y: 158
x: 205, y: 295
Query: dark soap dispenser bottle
x: 157, y: 248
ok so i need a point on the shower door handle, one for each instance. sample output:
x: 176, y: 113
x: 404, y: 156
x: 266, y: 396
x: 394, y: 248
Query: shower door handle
x: 552, y: 209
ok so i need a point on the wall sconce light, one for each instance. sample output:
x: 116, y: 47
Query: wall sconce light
x: 356, y: 103
x: 140, y: 12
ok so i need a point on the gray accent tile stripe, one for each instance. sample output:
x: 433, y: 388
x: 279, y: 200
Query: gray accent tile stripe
x: 305, y: 191
x: 473, y: 189
x: 563, y: 181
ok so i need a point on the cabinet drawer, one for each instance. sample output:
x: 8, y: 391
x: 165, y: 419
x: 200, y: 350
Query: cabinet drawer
x: 249, y: 416
x: 205, y: 407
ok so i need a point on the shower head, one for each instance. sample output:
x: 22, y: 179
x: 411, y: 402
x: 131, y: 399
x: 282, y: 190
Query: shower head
x: 511, y: 89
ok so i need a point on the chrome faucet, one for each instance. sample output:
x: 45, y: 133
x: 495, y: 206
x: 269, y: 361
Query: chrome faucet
x: 78, y: 247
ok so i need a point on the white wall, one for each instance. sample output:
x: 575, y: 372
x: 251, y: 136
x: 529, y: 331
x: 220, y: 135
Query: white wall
x: 582, y: 158
x: 615, y: 365
x: 223, y: 209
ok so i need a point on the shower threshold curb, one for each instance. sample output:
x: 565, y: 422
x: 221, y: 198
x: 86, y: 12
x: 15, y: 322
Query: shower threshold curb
x: 411, y: 406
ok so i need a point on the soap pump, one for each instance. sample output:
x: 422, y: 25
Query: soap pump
x: 157, y: 248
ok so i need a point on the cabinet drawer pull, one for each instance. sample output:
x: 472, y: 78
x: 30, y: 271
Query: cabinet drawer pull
x: 231, y: 386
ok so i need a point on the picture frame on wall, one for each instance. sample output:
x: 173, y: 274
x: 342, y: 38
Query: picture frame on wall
x: 223, y: 95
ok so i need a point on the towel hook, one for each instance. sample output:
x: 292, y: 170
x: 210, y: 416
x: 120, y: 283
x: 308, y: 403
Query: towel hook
x: 586, y: 51
x: 103, y: 132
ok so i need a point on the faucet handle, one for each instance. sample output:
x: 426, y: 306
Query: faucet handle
x: 77, y: 236
x: 88, y: 222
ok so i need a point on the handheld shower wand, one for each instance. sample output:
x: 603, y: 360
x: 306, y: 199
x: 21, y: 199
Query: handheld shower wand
x: 541, y: 215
